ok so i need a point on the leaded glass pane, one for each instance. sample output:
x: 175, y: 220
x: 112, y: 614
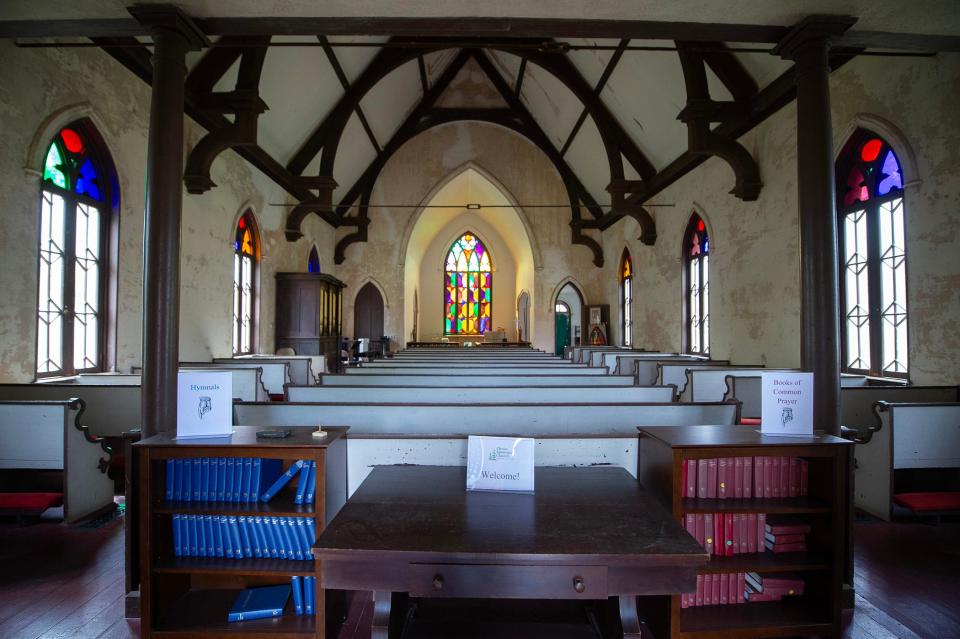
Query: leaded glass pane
x: 856, y: 290
x: 236, y: 302
x: 86, y: 292
x: 246, y: 306
x: 893, y: 290
x: 694, y: 305
x: 705, y: 304
x: 627, y: 312
x: 468, y: 288
x: 50, y: 307
x: 53, y: 167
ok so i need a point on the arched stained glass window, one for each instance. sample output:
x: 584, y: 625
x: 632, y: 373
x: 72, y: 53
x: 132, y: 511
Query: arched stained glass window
x: 696, y: 260
x: 468, y: 288
x: 313, y: 262
x: 626, y: 298
x: 79, y: 199
x: 246, y: 254
x: 873, y: 269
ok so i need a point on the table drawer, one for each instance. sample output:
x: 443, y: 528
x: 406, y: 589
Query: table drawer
x: 508, y: 581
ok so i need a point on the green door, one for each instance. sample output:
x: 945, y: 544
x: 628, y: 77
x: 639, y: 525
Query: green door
x: 561, y: 332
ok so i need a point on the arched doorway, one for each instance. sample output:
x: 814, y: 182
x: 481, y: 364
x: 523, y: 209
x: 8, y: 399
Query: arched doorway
x: 523, y: 317
x: 368, y: 313
x: 568, y: 318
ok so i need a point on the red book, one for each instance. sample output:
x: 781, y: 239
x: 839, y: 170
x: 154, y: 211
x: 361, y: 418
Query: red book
x: 739, y: 533
x: 785, y: 539
x: 778, y: 548
x: 684, y: 603
x: 785, y: 476
x: 748, y: 477
x: 718, y: 534
x: 712, y: 478
x: 804, y: 476
x: 750, y: 532
x: 708, y: 535
x: 683, y: 478
x: 728, y: 540
x: 758, y: 477
x: 776, y: 463
x: 782, y: 582
x: 794, y: 477
x: 699, y: 523
x: 738, y: 477
x: 722, y: 468
x: 698, y: 597
x: 761, y: 529
x: 786, y: 527
x: 741, y: 586
x: 691, y: 477
x: 724, y: 589
x: 702, y: 478
x: 715, y: 590
x: 753, y: 595
x: 767, y: 477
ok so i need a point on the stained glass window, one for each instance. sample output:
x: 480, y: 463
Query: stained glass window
x: 696, y: 256
x: 246, y: 254
x: 79, y: 199
x: 468, y: 288
x: 873, y: 255
x: 313, y: 262
x: 626, y: 298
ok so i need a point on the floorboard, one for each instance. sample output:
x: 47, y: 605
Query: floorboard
x: 66, y: 582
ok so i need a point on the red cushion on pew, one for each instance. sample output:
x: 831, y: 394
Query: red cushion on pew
x: 30, y: 501
x: 750, y: 421
x: 921, y: 502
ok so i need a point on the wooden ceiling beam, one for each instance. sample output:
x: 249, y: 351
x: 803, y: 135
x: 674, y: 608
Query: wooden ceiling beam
x: 345, y: 83
x: 214, y: 65
x: 422, y: 67
x: 597, y: 90
x: 728, y: 68
x: 518, y: 87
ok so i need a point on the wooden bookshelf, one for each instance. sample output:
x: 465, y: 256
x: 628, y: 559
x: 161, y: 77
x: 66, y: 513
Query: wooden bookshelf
x: 186, y: 597
x: 662, y: 452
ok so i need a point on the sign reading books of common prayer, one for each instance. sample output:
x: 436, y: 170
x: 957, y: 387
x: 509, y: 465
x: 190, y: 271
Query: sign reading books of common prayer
x: 204, y: 404
x: 500, y: 463
x: 787, y: 404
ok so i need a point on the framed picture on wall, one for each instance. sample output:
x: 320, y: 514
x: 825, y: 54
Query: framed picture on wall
x: 595, y: 315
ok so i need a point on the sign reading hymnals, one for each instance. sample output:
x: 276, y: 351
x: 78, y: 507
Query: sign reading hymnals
x: 500, y: 463
x: 787, y: 404
x: 204, y: 404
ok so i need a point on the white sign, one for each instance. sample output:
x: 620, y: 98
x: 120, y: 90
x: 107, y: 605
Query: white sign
x: 204, y: 404
x: 500, y: 463
x: 787, y: 404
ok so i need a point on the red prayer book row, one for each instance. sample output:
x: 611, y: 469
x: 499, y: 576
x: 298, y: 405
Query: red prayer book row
x: 745, y: 477
x: 727, y: 534
x: 737, y: 587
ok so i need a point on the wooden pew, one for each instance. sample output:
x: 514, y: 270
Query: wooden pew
x: 676, y: 372
x: 49, y: 436
x: 456, y: 363
x: 364, y: 451
x: 646, y: 370
x: 111, y: 409
x: 458, y: 393
x: 247, y: 382
x: 848, y: 380
x: 710, y: 384
x: 482, y: 419
x: 476, y: 379
x: 621, y: 364
x: 611, y: 359
x: 597, y: 358
x: 907, y: 437
x: 303, y: 368
x: 274, y: 375
x: 477, y: 370
x: 581, y: 354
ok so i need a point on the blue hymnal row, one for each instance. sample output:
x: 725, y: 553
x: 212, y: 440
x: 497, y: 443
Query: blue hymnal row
x: 304, y: 594
x: 228, y: 479
x: 259, y: 603
x: 242, y: 537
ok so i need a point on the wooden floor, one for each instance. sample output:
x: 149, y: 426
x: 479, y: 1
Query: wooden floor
x: 61, y: 581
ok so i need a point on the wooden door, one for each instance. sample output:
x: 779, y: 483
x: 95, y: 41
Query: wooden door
x: 368, y: 313
x: 561, y: 332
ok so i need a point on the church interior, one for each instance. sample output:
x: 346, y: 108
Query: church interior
x: 456, y: 319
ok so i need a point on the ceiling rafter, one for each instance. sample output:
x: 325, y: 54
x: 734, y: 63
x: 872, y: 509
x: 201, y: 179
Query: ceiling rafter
x: 345, y: 83
x: 597, y: 90
x: 731, y: 72
x: 424, y: 83
x: 214, y: 64
x: 521, y: 72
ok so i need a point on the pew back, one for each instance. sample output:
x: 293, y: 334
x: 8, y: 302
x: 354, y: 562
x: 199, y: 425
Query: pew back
x: 111, y: 410
x: 477, y: 370
x: 247, y: 382
x: 710, y: 384
x: 274, y: 375
x: 676, y: 372
x: 484, y: 380
x: 454, y: 394
x: 303, y: 368
x: 646, y: 370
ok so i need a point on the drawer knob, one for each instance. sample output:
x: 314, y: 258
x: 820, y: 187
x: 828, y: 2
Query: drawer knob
x: 437, y: 582
x: 578, y: 584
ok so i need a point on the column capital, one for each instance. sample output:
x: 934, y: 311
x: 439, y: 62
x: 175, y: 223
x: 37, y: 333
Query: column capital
x: 815, y: 28
x: 165, y: 18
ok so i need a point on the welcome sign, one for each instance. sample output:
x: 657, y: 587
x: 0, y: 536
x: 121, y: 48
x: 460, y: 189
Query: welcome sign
x: 500, y: 463
x: 787, y: 404
x: 204, y: 404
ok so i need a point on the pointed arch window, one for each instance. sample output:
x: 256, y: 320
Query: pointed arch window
x: 246, y: 256
x: 873, y: 257
x: 313, y: 261
x: 468, y: 287
x: 626, y: 298
x: 79, y: 202
x: 696, y: 295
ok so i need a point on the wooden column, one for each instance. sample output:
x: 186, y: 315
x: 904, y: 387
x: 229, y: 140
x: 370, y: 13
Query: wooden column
x: 808, y: 45
x: 173, y: 35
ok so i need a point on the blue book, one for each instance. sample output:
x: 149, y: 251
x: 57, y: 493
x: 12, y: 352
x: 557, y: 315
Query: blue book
x: 309, y: 594
x: 283, y: 480
x: 178, y: 479
x: 287, y: 526
x: 186, y: 494
x: 221, y: 477
x: 269, y: 547
x: 227, y: 538
x: 212, y: 484
x: 201, y: 537
x: 218, y: 537
x: 169, y: 479
x: 297, y: 588
x: 204, y: 479
x: 235, y: 538
x: 260, y: 603
x: 177, y: 539
x: 193, y: 535
x: 245, y: 482
x: 311, y: 530
x: 269, y: 471
x: 304, y: 535
x: 195, y: 478
x: 252, y: 530
x: 208, y: 535
x: 311, y: 483
x: 276, y: 541
x: 243, y: 523
x: 228, y: 482
x: 302, y: 484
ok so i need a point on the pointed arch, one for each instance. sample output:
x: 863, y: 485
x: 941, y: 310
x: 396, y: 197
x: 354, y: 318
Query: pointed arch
x: 625, y: 282
x: 313, y: 260
x: 468, y: 287
x: 695, y: 258
x: 576, y: 285
x: 376, y: 284
x: 891, y: 134
x: 78, y: 230
x: 247, y: 249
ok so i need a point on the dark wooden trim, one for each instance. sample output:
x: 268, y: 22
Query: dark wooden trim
x: 521, y: 72
x: 214, y: 64
x: 345, y: 83
x: 597, y: 90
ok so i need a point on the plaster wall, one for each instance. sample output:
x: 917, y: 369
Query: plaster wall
x: 754, y: 246
x: 36, y: 85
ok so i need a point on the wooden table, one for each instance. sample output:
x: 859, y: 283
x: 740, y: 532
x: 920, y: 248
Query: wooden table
x: 587, y: 533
